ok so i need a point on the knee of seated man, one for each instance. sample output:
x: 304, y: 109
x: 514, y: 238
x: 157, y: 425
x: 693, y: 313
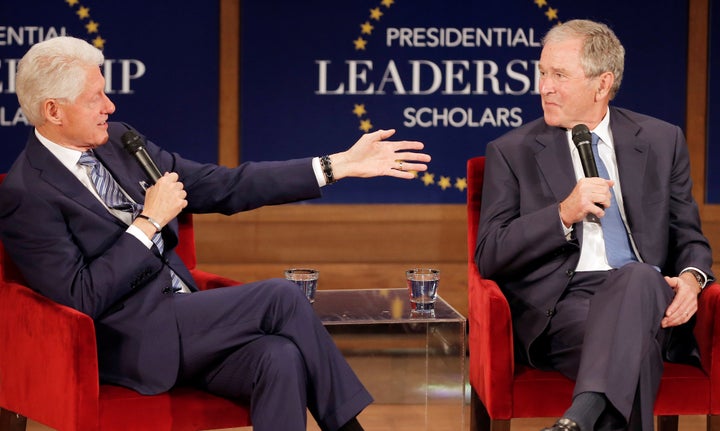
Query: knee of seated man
x: 641, y: 278
x: 281, y: 289
x: 281, y: 360
x: 641, y: 270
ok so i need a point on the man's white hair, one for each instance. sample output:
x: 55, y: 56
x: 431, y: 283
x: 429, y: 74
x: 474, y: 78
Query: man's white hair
x: 53, y: 69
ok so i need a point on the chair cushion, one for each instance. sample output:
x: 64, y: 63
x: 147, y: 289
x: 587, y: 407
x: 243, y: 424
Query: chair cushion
x: 181, y: 409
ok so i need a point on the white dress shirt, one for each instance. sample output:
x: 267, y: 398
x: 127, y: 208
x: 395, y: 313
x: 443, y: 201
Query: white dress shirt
x: 592, y: 253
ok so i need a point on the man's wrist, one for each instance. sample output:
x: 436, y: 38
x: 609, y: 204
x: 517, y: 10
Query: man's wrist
x: 699, y: 277
x: 152, y: 221
x: 567, y: 231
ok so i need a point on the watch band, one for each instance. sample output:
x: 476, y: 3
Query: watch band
x: 327, y: 169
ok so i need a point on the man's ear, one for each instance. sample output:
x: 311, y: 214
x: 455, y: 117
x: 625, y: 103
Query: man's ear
x: 605, y: 82
x: 52, y: 111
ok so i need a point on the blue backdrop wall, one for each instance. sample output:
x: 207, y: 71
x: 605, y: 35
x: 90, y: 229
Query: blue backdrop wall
x: 315, y: 75
x: 161, y: 66
x: 712, y: 188
x: 454, y: 74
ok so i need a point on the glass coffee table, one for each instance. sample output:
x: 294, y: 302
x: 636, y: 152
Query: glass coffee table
x: 402, y: 357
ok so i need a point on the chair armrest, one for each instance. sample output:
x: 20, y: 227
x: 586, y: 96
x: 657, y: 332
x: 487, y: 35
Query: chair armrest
x: 491, y: 343
x: 48, y: 358
x: 707, y: 333
x: 206, y: 280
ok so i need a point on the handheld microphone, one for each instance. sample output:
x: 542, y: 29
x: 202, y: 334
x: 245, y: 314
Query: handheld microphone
x: 583, y: 142
x: 582, y: 139
x: 135, y: 146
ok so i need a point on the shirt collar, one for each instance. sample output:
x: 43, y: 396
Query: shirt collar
x: 603, y: 129
x: 67, y: 156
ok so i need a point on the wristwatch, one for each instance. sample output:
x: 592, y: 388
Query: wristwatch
x: 699, y: 277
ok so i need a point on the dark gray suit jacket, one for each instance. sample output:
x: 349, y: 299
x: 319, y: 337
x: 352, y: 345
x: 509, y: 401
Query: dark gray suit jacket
x: 72, y: 250
x: 529, y: 172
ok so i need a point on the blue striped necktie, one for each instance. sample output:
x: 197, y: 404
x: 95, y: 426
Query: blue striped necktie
x: 106, y: 187
x: 109, y: 191
x: 617, y: 243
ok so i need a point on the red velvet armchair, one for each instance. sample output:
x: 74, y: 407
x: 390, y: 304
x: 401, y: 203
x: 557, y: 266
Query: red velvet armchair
x: 502, y: 389
x: 49, y: 368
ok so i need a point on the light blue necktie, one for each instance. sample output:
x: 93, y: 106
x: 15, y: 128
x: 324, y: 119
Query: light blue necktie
x: 617, y: 243
x: 109, y: 191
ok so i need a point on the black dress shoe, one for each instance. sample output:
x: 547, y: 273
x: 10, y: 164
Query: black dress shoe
x: 563, y: 424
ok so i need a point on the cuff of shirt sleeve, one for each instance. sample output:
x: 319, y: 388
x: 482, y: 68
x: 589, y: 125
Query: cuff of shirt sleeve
x: 137, y: 233
x: 317, y: 168
x: 567, y: 231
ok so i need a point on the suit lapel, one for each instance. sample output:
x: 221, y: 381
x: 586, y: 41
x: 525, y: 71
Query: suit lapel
x: 120, y: 170
x: 554, y: 161
x: 57, y: 176
x: 631, y: 153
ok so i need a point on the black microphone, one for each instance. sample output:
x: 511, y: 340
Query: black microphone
x: 135, y: 146
x: 583, y: 142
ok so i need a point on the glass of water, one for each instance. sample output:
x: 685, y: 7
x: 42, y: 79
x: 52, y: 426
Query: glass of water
x: 422, y: 286
x: 306, y: 279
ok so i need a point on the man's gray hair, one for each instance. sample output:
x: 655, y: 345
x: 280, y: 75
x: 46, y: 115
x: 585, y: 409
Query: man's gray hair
x: 602, y: 51
x: 53, y: 69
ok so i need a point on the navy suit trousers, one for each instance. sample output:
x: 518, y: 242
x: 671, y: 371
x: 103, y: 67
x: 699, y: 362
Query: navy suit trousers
x: 262, y: 343
x: 606, y: 336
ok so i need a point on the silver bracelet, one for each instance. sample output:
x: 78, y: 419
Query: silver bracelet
x: 157, y: 226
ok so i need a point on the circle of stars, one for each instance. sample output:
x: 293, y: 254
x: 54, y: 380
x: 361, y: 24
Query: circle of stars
x: 366, y: 29
x: 550, y: 13
x: 91, y: 26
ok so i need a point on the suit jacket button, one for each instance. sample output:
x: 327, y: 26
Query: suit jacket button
x: 550, y: 313
x: 570, y: 272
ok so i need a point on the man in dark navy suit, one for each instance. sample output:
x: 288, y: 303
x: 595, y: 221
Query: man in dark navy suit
x: 77, y: 220
x: 601, y: 273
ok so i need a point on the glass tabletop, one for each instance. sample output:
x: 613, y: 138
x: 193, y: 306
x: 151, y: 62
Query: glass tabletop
x: 371, y: 306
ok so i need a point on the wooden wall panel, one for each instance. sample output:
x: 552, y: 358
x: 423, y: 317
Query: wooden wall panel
x: 354, y: 246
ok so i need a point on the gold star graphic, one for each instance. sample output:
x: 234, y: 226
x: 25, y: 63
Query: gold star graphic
x: 414, y: 174
x: 375, y: 13
x: 72, y: 3
x: 461, y: 183
x: 551, y: 14
x: 366, y: 28
x: 541, y: 3
x: 444, y: 182
x: 99, y: 42
x: 366, y: 125
x: 396, y: 308
x: 360, y: 43
x: 387, y: 3
x: 428, y: 178
x: 92, y: 27
x: 359, y: 110
x: 83, y: 12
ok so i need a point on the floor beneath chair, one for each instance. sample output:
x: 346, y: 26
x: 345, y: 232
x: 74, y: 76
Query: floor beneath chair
x: 394, y: 417
x: 390, y: 418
